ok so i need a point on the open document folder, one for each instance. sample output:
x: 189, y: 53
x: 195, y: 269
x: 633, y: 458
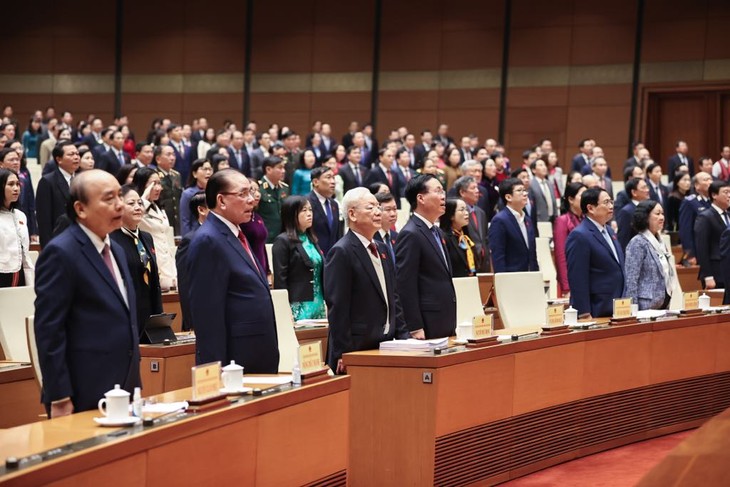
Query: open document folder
x: 411, y: 344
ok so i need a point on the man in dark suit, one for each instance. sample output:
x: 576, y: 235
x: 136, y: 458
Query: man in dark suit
x: 635, y: 159
x: 583, y: 157
x: 382, y: 173
x: 467, y: 189
x: 85, y: 314
x: 363, y: 308
x: 239, y: 153
x: 638, y: 191
x: 403, y: 169
x: 199, y: 133
x: 198, y: 212
x: 512, y: 231
x: 353, y: 173
x: 709, y: 226
x: 351, y: 130
x: 725, y: 263
x: 112, y: 160
x: 183, y: 153
x: 595, y: 259
x: 239, y: 323
x: 691, y: 206
x: 657, y: 191
x: 104, y: 143
x: 93, y: 139
x: 421, y: 150
x: 387, y: 234
x: 326, y: 221
x: 680, y: 158
x: 541, y: 193
x: 423, y: 270
x: 442, y: 135
x: 53, y: 190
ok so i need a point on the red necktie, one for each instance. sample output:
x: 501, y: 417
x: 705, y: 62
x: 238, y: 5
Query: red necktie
x: 474, y: 219
x: 246, y: 247
x: 373, y: 249
x: 390, y: 178
x: 107, y: 256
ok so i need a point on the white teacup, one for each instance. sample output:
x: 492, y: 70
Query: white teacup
x: 570, y: 316
x: 464, y: 331
x: 116, y: 402
x: 232, y: 376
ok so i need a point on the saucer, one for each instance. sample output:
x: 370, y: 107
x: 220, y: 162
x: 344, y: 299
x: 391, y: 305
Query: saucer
x: 233, y: 392
x: 128, y: 421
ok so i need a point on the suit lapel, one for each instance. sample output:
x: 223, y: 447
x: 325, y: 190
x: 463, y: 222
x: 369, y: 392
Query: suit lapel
x: 440, y: 252
x: 597, y: 235
x: 516, y: 226
x: 62, y: 184
x: 97, y: 262
x: 362, y: 253
x: 236, y: 245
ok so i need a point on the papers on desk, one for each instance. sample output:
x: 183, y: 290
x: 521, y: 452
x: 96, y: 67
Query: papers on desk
x: 413, y: 345
x: 276, y: 380
x: 321, y: 323
x: 648, y: 314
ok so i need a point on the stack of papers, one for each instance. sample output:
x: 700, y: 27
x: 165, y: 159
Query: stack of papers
x: 411, y: 344
x: 321, y: 323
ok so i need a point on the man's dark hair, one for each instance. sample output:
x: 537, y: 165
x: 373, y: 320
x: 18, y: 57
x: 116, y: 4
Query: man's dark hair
x: 384, y: 198
x: 198, y: 199
x: 516, y: 173
x: 507, y: 187
x: 171, y: 127
x: 271, y: 161
x: 416, y: 186
x: 218, y: 183
x: 590, y: 197
x: 58, y: 150
x: 631, y: 186
x: 715, y: 188
x: 582, y: 143
x: 317, y: 172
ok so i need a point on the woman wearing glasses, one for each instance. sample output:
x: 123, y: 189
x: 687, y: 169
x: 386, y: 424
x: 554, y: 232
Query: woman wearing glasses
x: 147, y: 183
x: 649, y: 271
x: 459, y: 246
x: 140, y: 252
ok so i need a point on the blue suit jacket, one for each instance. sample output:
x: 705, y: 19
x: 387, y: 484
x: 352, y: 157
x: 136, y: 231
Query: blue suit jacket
x: 509, y: 252
x: 595, y: 277
x: 644, y: 275
x: 87, y: 337
x: 182, y: 161
x: 690, y: 207
x: 327, y: 235
x: 424, y: 282
x: 623, y: 219
x: 356, y: 306
x: 230, y: 302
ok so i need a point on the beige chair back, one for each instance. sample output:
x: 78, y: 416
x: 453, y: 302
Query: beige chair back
x: 468, y: 299
x: 269, y: 255
x: 288, y: 343
x: 403, y: 216
x: 33, y: 256
x: 547, y: 265
x: 33, y: 351
x: 521, y: 298
x: 16, y: 303
x: 545, y: 229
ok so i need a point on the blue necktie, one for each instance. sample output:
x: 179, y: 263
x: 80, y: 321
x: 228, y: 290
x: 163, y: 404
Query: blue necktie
x: 389, y: 244
x: 437, y: 238
x: 328, y: 209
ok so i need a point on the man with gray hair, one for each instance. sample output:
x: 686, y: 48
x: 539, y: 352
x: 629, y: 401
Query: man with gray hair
x: 359, y: 284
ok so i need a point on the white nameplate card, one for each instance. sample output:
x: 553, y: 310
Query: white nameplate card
x: 310, y: 357
x: 206, y: 381
x: 622, y: 308
x: 691, y: 300
x: 554, y: 315
x: 482, y: 326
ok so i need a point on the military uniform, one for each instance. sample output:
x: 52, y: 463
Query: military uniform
x: 691, y: 206
x: 170, y: 197
x: 270, y: 206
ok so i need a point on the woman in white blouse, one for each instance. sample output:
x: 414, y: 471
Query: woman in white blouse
x: 155, y: 222
x: 16, y: 267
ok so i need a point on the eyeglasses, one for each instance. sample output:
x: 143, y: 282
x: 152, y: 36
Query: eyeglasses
x: 243, y: 194
x: 370, y: 208
x: 606, y: 202
x: 521, y: 190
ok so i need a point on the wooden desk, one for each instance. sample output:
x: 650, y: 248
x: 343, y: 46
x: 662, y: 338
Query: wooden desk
x: 20, y: 399
x: 166, y: 368
x: 496, y: 413
x: 289, y: 438
x: 171, y: 304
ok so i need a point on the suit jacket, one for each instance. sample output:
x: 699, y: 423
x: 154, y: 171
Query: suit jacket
x: 579, y: 163
x: 377, y: 175
x: 239, y: 323
x: 478, y: 233
x: 356, y: 306
x: 326, y: 234
x: 709, y: 227
x: 725, y: 265
x: 392, y: 236
x: 348, y: 177
x: 109, y: 162
x: 509, y: 251
x: 420, y: 151
x: 293, y: 270
x: 245, y: 165
x: 654, y: 196
x: 90, y: 141
x: 423, y: 276
x: 690, y: 207
x: 51, y: 199
x: 595, y: 277
x: 644, y: 275
x: 674, y: 163
x: 257, y: 161
x: 541, y: 202
x: 183, y: 279
x: 147, y: 296
x: 608, y: 183
x: 183, y: 160
x: 85, y: 333
x: 624, y: 217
